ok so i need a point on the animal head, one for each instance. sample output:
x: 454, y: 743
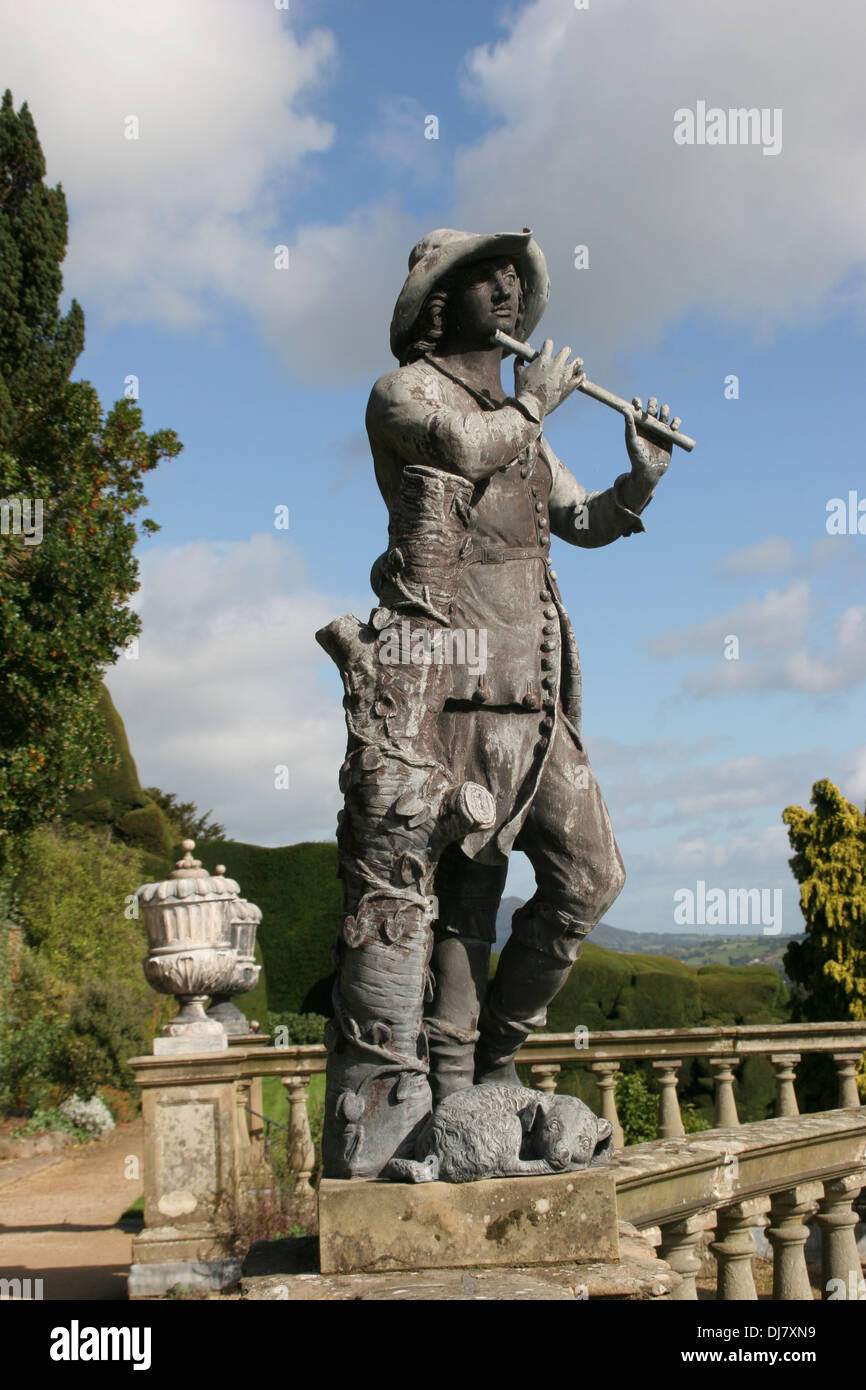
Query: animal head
x: 568, y: 1134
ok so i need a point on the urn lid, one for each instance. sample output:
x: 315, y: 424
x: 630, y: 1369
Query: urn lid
x: 189, y: 880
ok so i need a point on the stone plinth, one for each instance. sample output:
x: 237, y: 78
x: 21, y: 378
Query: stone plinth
x: 288, y: 1271
x: 553, y: 1220
x: 204, y: 1169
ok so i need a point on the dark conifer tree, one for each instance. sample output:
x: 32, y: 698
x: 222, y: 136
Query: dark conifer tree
x: 70, y: 488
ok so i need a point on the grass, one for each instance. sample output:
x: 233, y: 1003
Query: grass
x: 275, y: 1103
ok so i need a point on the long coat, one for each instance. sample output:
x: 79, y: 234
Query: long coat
x: 497, y: 724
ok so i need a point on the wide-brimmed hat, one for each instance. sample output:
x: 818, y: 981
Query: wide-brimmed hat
x: 444, y: 250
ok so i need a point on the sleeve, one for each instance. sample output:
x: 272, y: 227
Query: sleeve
x: 413, y: 415
x: 588, y: 519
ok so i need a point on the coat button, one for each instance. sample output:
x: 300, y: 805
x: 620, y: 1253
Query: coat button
x: 544, y: 595
x: 550, y: 612
x: 546, y: 724
x: 547, y: 663
x: 539, y: 506
x: 553, y: 574
x: 550, y: 628
x: 548, y: 681
x: 548, y: 646
x: 524, y: 472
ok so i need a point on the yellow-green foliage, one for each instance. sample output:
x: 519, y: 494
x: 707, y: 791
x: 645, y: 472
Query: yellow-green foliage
x: 76, y: 1005
x: 829, y: 863
x: 74, y: 891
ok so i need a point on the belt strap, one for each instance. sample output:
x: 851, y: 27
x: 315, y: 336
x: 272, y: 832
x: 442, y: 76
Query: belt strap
x: 497, y: 554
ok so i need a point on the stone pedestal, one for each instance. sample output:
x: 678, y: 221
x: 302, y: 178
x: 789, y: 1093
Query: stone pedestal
x: 204, y: 1169
x: 377, y: 1226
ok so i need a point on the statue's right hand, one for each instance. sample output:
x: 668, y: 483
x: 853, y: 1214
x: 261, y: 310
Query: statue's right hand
x: 549, y: 379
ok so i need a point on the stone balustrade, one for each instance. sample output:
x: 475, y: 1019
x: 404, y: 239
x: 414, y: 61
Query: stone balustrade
x: 204, y: 1156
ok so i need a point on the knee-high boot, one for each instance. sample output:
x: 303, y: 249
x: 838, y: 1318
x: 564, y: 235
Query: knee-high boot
x: 459, y: 966
x: 526, y: 981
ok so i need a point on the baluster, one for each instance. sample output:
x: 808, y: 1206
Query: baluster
x: 786, y: 1097
x: 670, y: 1119
x: 734, y: 1247
x: 788, y: 1235
x: 606, y: 1074
x: 678, y: 1242
x: 839, y: 1253
x: 242, y: 1100
x: 299, y: 1143
x: 723, y: 1077
x: 846, y: 1069
x: 546, y: 1074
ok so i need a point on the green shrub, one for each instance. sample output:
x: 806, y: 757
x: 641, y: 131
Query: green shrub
x: 105, y: 1028
x: 296, y: 887
x: 30, y: 1063
x: 301, y: 1028
x: 637, y: 1107
x: 52, y: 1118
x: 76, y: 1004
x: 693, y: 1122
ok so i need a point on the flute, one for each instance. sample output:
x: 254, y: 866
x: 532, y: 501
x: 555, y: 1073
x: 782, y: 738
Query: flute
x: 649, y: 424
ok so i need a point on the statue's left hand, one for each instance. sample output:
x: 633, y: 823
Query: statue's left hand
x: 649, y: 459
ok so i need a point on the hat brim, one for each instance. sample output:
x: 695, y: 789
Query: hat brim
x: 528, y: 261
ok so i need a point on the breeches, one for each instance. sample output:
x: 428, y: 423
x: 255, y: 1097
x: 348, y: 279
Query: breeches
x: 568, y: 839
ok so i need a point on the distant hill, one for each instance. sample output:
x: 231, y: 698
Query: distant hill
x: 695, y: 948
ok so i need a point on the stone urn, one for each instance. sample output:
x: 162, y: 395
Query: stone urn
x: 188, y: 919
x: 245, y: 918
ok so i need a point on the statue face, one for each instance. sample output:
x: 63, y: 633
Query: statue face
x: 487, y: 297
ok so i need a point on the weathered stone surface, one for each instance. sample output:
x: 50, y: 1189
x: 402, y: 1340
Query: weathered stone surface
x: 201, y: 1276
x: 287, y: 1271
x: 557, y: 1219
x: 194, y: 1044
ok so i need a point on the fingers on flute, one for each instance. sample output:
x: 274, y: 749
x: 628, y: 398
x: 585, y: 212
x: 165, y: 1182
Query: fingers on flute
x: 638, y: 404
x: 676, y: 422
x: 665, y: 414
x: 652, y: 406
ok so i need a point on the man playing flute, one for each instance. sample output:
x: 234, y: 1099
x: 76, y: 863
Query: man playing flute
x: 515, y: 728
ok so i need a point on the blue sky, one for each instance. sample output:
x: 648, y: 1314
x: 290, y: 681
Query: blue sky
x: 261, y: 127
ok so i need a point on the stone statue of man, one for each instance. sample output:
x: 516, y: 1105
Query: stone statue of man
x: 513, y: 728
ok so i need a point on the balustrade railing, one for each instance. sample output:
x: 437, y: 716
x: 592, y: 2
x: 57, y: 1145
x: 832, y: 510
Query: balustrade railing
x: 723, y: 1183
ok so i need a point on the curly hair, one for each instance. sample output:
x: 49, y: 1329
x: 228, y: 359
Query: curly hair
x: 431, y: 324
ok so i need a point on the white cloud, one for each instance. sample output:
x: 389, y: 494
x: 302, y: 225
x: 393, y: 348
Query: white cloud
x: 161, y: 222
x: 166, y: 227
x: 821, y: 668
x: 774, y: 622
x: 773, y: 554
x: 583, y: 150
x: 230, y: 683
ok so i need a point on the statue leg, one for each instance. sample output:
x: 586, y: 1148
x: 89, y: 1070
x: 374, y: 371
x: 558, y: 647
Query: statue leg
x: 568, y: 839
x: 468, y: 894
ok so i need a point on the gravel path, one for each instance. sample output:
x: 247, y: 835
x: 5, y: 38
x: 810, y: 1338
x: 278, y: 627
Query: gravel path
x: 58, y: 1216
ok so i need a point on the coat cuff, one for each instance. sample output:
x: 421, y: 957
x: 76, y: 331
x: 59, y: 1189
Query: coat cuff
x: 631, y: 520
